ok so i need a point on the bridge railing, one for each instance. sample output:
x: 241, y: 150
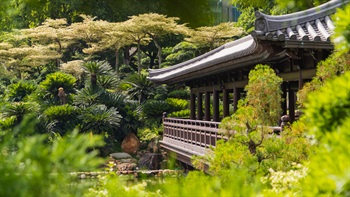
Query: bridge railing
x: 196, y: 132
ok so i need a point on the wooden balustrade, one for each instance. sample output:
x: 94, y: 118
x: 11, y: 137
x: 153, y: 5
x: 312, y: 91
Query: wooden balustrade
x: 200, y: 133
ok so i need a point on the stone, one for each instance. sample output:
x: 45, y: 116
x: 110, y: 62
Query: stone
x: 131, y: 160
x: 120, y: 156
x: 126, y: 166
x: 131, y: 144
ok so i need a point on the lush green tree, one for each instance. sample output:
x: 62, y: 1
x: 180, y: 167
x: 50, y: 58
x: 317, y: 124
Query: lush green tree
x: 181, y: 52
x: 20, y: 58
x: 252, y: 146
x: 213, y: 36
x: 156, y: 26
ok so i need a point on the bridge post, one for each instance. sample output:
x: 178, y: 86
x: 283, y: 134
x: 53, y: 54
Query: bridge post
x: 193, y: 106
x: 199, y: 106
x: 207, y: 106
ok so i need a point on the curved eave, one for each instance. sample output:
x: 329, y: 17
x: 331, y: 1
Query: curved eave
x: 274, y: 23
x: 236, y: 53
x: 314, y: 24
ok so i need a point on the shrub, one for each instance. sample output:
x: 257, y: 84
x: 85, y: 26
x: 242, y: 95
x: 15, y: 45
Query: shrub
x: 56, y: 80
x: 60, y: 119
x: 19, y: 91
x: 180, y: 94
x: 177, y: 104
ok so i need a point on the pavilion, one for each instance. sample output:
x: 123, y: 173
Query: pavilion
x: 291, y: 44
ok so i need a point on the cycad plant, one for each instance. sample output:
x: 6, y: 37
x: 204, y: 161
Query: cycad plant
x: 95, y: 69
x: 99, y: 119
x: 139, y: 87
x: 17, y: 110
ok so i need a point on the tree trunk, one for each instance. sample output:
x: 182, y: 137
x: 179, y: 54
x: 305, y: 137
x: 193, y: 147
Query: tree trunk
x: 159, y: 52
x: 126, y: 55
x: 58, y: 61
x: 139, y: 57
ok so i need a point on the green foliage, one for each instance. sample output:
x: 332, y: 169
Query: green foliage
x: 147, y: 134
x: 180, y: 93
x: 57, y: 80
x: 329, y: 168
x: 59, y: 119
x: 328, y: 117
x: 325, y: 113
x: 177, y: 104
x: 87, y: 96
x: 264, y: 94
x: 341, y: 37
x: 153, y: 111
x: 181, y: 52
x: 252, y: 146
x: 99, y: 119
x: 17, y: 110
x: 41, y: 168
x: 230, y: 183
x: 336, y: 64
x: 180, y: 114
x: 139, y: 87
x: 19, y: 91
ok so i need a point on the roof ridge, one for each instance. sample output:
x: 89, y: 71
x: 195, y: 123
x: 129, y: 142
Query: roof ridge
x: 268, y: 23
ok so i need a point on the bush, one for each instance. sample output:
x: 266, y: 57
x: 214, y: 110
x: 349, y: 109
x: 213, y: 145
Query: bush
x: 60, y: 119
x: 177, y: 104
x: 153, y: 109
x: 20, y: 90
x: 180, y: 114
x: 41, y: 168
x: 180, y: 94
x: 56, y: 80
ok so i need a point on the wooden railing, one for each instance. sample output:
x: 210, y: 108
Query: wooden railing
x: 200, y: 133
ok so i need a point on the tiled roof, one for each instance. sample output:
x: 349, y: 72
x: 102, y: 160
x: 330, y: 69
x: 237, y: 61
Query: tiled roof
x: 313, y: 24
x: 306, y: 29
x: 231, y: 53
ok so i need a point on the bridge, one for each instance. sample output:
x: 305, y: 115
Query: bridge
x: 185, y: 138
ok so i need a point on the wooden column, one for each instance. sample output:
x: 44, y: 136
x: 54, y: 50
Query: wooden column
x: 193, y: 106
x: 216, y: 106
x: 301, y: 83
x: 226, y: 103
x: 207, y: 106
x: 236, y: 97
x: 284, y: 98
x: 291, y: 102
x: 199, y: 106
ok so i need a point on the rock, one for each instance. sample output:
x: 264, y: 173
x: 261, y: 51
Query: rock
x: 131, y: 160
x: 126, y: 166
x: 131, y: 144
x: 120, y: 156
x: 149, y: 161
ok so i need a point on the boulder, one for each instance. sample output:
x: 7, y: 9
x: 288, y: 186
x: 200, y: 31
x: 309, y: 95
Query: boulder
x: 126, y: 166
x: 131, y: 144
x: 118, y: 156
